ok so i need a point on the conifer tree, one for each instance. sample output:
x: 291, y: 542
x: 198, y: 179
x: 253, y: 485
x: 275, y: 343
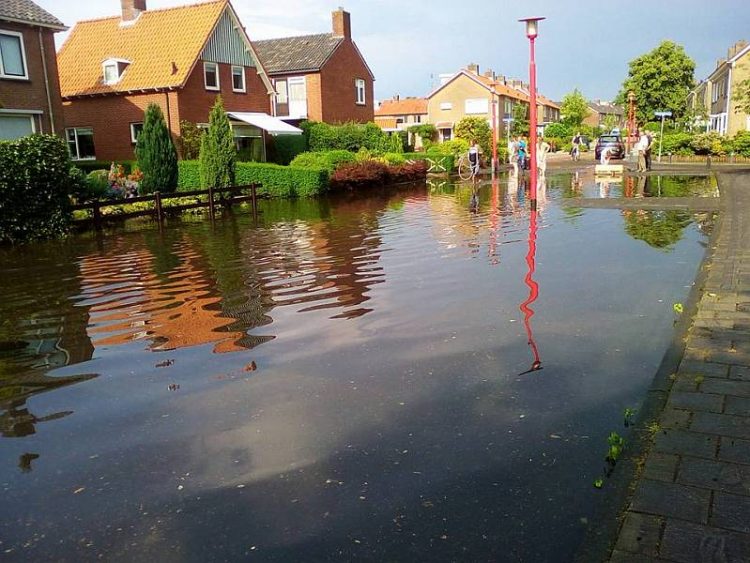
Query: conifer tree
x: 156, y: 154
x: 218, y: 154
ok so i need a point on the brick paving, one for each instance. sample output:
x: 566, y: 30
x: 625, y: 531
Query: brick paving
x: 691, y: 502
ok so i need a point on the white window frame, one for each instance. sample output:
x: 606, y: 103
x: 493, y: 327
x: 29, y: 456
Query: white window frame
x: 23, y: 57
x: 133, y: 136
x: 206, y: 65
x: 360, y: 91
x: 113, y: 63
x: 244, y: 83
x: 476, y: 106
x: 446, y: 105
x: 21, y: 113
x: 75, y: 135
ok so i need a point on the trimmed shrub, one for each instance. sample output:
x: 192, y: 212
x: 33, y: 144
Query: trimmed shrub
x: 157, y: 157
x: 373, y: 173
x: 287, y: 147
x: 277, y: 181
x: 35, y: 183
x: 282, y: 181
x: 324, y: 160
x: 392, y: 158
x: 218, y: 155
x: 741, y: 143
x: 347, y: 136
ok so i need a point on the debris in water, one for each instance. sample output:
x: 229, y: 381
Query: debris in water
x: 252, y: 366
x: 165, y: 364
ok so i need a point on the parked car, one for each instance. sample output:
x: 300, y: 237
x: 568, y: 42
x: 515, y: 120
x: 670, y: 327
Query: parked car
x: 613, y: 143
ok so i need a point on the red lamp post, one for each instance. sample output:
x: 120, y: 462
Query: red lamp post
x: 532, y: 28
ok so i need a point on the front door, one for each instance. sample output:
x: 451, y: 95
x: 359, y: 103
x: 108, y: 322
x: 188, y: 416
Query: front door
x: 297, y: 97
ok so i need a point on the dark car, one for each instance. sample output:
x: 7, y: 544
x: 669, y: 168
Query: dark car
x: 613, y: 143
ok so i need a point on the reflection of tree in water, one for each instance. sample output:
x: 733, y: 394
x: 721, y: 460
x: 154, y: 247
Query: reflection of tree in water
x: 660, y: 229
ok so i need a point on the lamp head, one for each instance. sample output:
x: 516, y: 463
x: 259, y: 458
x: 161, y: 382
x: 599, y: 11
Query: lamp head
x: 532, y: 26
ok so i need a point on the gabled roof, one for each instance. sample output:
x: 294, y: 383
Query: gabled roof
x: 486, y: 82
x: 606, y: 109
x: 407, y: 106
x: 297, y: 54
x: 25, y: 11
x: 545, y: 101
x: 162, y: 46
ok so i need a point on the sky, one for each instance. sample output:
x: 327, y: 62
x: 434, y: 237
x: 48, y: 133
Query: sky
x: 407, y: 43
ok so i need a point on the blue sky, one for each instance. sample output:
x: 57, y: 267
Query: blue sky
x: 582, y: 43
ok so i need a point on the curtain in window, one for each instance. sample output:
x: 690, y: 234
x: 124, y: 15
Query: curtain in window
x: 10, y: 51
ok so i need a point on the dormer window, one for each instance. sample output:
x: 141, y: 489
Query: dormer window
x: 113, y: 69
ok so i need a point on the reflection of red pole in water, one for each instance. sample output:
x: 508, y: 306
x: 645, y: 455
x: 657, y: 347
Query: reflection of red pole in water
x: 528, y: 312
x: 494, y: 216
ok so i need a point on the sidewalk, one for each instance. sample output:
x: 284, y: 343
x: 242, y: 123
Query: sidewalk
x: 691, y: 502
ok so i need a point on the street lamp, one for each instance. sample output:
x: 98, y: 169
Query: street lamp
x: 532, y: 30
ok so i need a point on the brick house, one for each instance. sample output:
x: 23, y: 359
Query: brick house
x: 398, y: 114
x: 321, y: 77
x: 470, y: 94
x: 713, y: 96
x: 602, y: 113
x: 180, y: 58
x: 29, y: 86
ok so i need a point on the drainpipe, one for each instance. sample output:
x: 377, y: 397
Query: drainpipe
x: 729, y: 97
x: 46, y: 83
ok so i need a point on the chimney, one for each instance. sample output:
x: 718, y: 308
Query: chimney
x: 501, y: 79
x: 736, y: 48
x: 132, y: 8
x: 342, y: 24
x: 396, y: 97
x: 489, y: 73
x: 473, y: 68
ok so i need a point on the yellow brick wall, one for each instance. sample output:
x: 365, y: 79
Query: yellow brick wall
x: 457, y: 92
x: 738, y: 121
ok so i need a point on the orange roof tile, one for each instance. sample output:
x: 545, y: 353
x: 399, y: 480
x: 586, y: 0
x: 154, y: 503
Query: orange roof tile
x: 161, y: 46
x: 502, y: 89
x: 545, y: 101
x: 386, y: 122
x: 407, y: 106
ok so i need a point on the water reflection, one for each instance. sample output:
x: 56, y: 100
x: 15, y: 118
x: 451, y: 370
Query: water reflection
x: 533, y: 286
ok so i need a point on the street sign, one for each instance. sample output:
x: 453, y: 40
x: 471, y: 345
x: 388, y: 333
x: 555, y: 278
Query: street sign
x: 663, y: 113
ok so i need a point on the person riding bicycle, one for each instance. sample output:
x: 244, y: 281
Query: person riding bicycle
x: 575, y: 152
x: 474, y: 152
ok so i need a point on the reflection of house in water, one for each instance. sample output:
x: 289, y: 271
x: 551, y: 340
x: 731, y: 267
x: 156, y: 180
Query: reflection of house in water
x: 179, y: 308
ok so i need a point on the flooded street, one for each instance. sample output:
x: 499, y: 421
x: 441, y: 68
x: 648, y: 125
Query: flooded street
x: 417, y: 374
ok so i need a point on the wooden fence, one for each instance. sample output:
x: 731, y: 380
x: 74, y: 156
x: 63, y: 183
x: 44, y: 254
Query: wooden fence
x: 160, y: 210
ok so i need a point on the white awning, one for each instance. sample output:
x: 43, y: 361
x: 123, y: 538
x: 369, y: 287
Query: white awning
x: 272, y: 125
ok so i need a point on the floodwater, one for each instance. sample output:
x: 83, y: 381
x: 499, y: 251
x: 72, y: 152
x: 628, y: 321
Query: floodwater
x: 422, y: 374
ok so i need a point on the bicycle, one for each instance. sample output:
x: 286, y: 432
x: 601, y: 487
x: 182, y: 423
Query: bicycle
x: 466, y: 171
x: 575, y: 153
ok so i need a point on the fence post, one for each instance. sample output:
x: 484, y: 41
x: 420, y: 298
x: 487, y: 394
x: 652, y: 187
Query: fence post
x: 708, y: 161
x: 159, y: 212
x: 97, y: 216
x: 255, y: 200
x: 211, y: 210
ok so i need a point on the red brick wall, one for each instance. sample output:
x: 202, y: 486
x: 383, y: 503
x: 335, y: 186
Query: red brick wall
x: 312, y: 88
x: 31, y: 94
x: 195, y: 102
x: 337, y: 87
x: 111, y: 116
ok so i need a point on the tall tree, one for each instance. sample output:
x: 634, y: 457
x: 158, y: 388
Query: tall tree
x: 520, y: 123
x: 574, y: 108
x: 218, y: 154
x: 661, y: 80
x: 475, y: 129
x: 157, y: 157
x: 742, y: 95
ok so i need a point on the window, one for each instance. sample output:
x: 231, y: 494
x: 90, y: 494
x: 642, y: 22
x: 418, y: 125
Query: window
x: 417, y: 119
x: 12, y: 56
x: 508, y: 108
x: 110, y: 73
x: 238, y: 78
x: 446, y: 105
x: 81, y: 143
x: 359, y: 87
x: 15, y: 125
x: 282, y: 94
x: 211, y: 76
x: 135, y: 130
x: 476, y: 106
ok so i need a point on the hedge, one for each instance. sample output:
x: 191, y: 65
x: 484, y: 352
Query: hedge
x: 286, y: 147
x: 276, y: 180
x: 35, y: 180
x: 323, y: 160
x: 346, y: 136
x: 91, y: 165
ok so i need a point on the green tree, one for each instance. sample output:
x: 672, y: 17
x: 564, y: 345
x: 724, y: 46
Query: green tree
x: 157, y: 157
x: 520, y: 123
x: 742, y: 96
x: 475, y: 128
x: 574, y: 108
x: 661, y: 80
x: 218, y: 154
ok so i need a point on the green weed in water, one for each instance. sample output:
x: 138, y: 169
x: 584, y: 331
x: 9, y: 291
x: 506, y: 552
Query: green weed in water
x: 678, y: 308
x: 598, y: 483
x: 628, y: 414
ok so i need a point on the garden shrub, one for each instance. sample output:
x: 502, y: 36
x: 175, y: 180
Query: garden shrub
x: 446, y: 161
x: 393, y: 158
x: 218, y: 156
x: 455, y: 147
x: 675, y: 143
x: 373, y: 173
x: 324, y: 160
x: 97, y: 184
x: 708, y: 143
x: 558, y: 130
x: 741, y: 143
x: 287, y: 147
x: 346, y: 136
x: 35, y: 183
x: 157, y: 157
x: 474, y: 129
x: 276, y: 180
x: 190, y: 140
x: 87, y: 166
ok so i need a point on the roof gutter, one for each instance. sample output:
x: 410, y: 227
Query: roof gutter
x: 52, y: 26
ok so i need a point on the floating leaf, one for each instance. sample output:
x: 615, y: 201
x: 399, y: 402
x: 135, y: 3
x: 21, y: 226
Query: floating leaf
x: 599, y: 483
x: 678, y: 308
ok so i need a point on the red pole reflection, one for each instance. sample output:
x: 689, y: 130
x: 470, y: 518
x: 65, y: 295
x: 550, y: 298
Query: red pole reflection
x: 528, y: 312
x: 494, y: 219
